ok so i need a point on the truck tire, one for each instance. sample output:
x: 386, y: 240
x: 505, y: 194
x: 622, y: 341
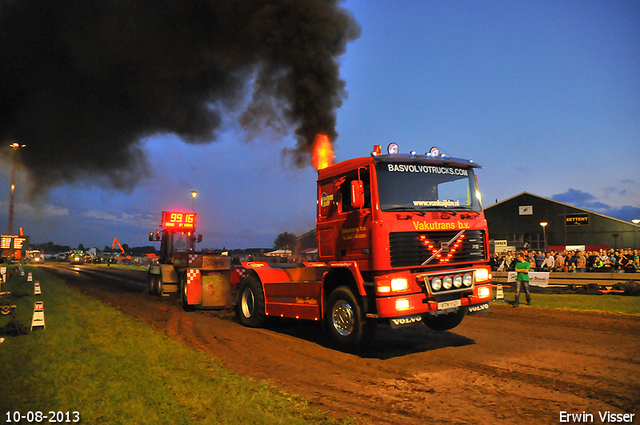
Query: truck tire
x: 152, y: 281
x: 159, y: 285
x: 183, y: 294
x: 344, y: 317
x: 250, y: 305
x: 444, y: 322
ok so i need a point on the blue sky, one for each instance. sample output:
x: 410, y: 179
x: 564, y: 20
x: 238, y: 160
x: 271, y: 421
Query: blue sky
x: 545, y: 95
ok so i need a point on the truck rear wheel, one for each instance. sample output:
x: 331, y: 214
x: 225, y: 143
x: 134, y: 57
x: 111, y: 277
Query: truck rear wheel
x: 344, y: 318
x: 444, y: 322
x: 183, y: 294
x: 250, y: 306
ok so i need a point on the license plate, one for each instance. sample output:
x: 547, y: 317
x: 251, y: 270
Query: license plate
x: 449, y: 304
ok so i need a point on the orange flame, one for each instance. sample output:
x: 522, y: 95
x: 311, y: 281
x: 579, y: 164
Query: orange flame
x: 322, y: 154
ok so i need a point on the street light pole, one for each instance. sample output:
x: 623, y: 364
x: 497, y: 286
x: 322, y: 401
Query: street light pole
x: 635, y: 221
x: 193, y: 195
x: 14, y: 171
x: 544, y: 225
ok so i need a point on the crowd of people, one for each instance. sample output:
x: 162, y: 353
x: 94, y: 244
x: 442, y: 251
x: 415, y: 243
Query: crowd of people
x: 573, y: 261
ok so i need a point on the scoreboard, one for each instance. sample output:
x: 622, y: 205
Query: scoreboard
x: 14, y: 242
x: 179, y: 220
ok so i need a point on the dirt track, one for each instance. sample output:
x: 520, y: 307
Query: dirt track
x: 521, y: 366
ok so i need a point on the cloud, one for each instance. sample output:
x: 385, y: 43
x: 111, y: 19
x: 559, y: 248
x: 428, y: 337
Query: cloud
x: 574, y: 197
x: 101, y: 215
x: 626, y: 213
x: 135, y: 219
x: 46, y: 210
x: 589, y: 202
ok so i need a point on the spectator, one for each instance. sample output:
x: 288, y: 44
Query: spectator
x: 603, y: 256
x: 581, y: 263
x: 549, y: 262
x: 539, y: 258
x: 591, y: 258
x: 560, y: 262
x: 614, y: 259
x: 508, y: 261
x: 626, y: 261
x: 571, y: 262
x: 598, y: 264
x: 494, y: 261
x: 522, y: 267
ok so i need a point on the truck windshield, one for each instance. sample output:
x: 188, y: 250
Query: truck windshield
x: 426, y: 187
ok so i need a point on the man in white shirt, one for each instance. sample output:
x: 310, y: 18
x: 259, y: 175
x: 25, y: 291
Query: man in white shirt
x: 549, y: 263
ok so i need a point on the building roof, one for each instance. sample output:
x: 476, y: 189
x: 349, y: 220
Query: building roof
x: 559, y: 203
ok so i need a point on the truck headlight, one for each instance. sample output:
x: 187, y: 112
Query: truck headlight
x: 484, y: 292
x: 436, y: 283
x: 482, y: 275
x: 457, y: 281
x: 403, y: 304
x: 399, y: 284
x: 467, y: 279
x: 447, y: 282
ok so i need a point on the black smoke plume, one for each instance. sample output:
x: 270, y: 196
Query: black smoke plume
x: 83, y: 81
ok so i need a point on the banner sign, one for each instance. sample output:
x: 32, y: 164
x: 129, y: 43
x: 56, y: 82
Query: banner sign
x: 535, y: 278
x: 577, y: 220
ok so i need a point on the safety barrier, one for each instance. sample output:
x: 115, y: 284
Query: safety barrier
x: 560, y: 279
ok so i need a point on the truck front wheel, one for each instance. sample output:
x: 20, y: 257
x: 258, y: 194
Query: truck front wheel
x: 152, y: 280
x: 444, y: 322
x: 250, y: 305
x: 160, y: 286
x: 344, y: 318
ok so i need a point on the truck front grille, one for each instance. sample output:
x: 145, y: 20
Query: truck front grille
x: 413, y: 248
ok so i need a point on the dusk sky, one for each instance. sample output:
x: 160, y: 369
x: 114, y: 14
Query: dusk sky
x: 545, y: 95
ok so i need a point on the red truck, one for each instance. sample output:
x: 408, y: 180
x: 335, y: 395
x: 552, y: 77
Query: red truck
x: 402, y: 239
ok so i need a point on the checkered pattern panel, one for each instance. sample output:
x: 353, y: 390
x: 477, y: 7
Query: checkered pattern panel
x: 237, y: 273
x: 193, y: 275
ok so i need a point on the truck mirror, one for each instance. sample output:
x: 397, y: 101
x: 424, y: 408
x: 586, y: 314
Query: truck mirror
x: 357, y: 194
x: 199, y: 238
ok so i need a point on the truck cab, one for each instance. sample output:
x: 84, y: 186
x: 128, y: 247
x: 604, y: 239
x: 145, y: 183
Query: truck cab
x: 402, y: 239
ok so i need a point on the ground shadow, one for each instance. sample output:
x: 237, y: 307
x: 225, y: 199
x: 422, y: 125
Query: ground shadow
x: 386, y: 343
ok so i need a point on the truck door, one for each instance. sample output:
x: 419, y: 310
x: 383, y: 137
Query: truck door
x: 344, y: 232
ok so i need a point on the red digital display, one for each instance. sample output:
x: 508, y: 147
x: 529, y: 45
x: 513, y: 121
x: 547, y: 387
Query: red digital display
x: 178, y: 220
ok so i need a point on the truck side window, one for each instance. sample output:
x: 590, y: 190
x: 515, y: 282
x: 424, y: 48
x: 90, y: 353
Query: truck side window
x: 345, y: 190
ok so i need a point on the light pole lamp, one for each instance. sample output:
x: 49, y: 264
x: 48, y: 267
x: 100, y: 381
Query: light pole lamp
x: 193, y: 195
x: 15, y: 146
x: 544, y: 225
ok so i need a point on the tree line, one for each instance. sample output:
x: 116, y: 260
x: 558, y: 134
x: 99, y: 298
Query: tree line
x: 51, y: 248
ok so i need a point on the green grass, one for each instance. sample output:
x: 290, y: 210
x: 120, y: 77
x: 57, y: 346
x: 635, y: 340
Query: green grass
x: 610, y: 303
x: 115, y: 370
